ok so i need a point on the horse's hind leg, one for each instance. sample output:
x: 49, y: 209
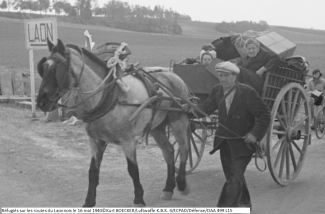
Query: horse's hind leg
x: 131, y: 158
x: 97, y: 150
x: 167, y: 149
x: 179, y: 125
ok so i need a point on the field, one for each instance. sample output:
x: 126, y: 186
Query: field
x: 148, y: 49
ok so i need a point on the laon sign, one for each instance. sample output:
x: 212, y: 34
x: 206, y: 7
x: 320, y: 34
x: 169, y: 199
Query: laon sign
x: 37, y: 31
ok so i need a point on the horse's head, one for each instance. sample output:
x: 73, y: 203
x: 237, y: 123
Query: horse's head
x: 56, y: 76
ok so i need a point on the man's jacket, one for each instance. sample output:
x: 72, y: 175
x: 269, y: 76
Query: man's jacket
x: 247, y: 114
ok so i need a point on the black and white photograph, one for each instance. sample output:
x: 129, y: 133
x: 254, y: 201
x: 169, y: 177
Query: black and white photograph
x: 162, y: 106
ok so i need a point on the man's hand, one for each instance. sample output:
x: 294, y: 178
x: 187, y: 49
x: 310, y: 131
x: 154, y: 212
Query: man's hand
x: 213, y: 117
x: 249, y: 138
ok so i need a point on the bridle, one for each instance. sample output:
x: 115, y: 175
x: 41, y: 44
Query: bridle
x: 59, y: 59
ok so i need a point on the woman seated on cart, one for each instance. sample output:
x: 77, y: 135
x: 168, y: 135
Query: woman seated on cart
x: 317, y: 83
x: 255, y: 64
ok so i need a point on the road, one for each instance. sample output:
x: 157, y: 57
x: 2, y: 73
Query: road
x: 46, y: 165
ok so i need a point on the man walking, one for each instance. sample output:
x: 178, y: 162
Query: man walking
x: 243, y: 120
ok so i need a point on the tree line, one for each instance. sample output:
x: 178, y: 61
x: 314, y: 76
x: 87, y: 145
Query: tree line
x: 114, y: 13
x: 241, y: 26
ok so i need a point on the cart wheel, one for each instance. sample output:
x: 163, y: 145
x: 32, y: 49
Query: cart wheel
x: 320, y: 124
x: 289, y: 134
x: 197, y: 137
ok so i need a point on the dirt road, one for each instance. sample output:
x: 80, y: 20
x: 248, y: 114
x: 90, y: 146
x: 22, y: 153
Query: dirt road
x: 46, y: 165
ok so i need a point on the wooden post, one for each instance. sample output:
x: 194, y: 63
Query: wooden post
x: 32, y: 81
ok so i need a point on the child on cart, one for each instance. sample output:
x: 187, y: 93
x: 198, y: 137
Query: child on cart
x: 207, y: 54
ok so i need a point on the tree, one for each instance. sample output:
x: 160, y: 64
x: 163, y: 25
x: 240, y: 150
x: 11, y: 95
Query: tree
x: 84, y: 8
x: 17, y: 4
x: 34, y: 6
x: 3, y: 5
x: 25, y: 5
x: 176, y: 17
x: 263, y: 23
x: 169, y: 14
x: 111, y: 9
x: 69, y: 9
x: 44, y: 5
x: 86, y: 12
x: 98, y: 11
x: 58, y: 7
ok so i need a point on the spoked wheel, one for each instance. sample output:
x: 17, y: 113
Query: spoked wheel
x: 320, y: 124
x: 289, y: 134
x: 197, y: 137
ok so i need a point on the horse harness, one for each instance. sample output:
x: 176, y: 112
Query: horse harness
x: 108, y: 100
x: 111, y: 91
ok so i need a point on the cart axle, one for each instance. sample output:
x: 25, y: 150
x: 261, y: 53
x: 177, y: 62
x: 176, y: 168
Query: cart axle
x: 293, y: 134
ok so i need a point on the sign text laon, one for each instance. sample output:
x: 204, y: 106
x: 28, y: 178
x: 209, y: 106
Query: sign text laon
x: 38, y: 30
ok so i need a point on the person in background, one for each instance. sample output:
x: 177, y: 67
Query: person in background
x: 206, y: 49
x: 317, y: 83
x: 253, y: 67
x: 243, y: 120
x: 206, y: 58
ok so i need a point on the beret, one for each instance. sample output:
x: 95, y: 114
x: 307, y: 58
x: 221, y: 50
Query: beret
x: 227, y: 67
x: 316, y: 71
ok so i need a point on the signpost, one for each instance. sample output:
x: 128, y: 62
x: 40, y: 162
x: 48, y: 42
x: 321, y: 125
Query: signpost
x: 37, y: 31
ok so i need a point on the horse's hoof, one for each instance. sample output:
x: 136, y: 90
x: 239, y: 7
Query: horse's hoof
x: 88, y: 205
x: 186, y: 191
x: 166, y: 195
x: 139, y: 205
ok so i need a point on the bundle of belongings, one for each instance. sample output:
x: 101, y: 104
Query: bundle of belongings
x: 318, y: 98
x: 232, y: 48
x: 107, y: 51
x: 298, y: 63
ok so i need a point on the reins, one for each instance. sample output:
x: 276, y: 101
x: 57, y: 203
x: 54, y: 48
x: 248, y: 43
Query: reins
x: 253, y: 147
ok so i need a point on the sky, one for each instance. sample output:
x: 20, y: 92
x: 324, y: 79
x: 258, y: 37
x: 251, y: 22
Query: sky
x: 292, y: 13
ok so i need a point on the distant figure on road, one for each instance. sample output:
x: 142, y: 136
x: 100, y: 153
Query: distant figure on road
x: 315, y: 84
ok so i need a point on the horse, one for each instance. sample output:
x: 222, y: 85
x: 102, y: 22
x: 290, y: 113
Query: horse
x: 67, y: 67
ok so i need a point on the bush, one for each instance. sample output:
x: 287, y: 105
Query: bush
x: 241, y: 27
x: 144, y: 24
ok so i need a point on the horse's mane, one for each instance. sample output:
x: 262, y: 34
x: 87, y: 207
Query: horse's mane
x: 75, y: 47
x: 89, y: 54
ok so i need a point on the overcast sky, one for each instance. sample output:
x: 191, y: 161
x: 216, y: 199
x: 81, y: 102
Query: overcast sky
x: 293, y: 13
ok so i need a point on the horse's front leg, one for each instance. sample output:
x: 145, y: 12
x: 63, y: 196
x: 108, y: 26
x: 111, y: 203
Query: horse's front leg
x: 131, y: 158
x: 97, y: 150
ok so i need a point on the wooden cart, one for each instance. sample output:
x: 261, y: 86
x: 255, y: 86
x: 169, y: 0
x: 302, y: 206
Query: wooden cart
x: 288, y: 136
